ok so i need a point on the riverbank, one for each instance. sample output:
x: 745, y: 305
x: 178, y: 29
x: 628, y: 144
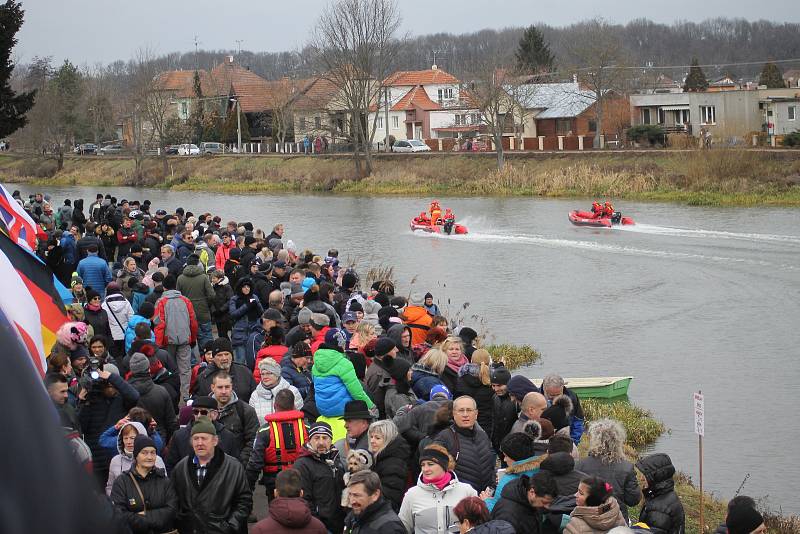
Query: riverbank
x: 711, y: 178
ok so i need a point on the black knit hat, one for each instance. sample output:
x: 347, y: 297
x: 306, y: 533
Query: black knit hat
x: 384, y: 346
x: 141, y: 442
x: 518, y: 446
x: 221, y: 344
x: 743, y: 520
x: 436, y: 456
x: 558, y: 413
x: 501, y: 375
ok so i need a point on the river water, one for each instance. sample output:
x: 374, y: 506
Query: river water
x: 689, y: 299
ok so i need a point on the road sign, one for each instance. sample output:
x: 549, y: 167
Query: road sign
x: 699, y: 415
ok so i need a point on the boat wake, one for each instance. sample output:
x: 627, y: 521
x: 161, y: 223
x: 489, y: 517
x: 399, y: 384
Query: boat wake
x: 707, y: 234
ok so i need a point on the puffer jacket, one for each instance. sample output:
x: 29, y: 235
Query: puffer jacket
x: 243, y: 382
x: 221, y: 504
x: 514, y: 508
x: 662, y: 510
x: 391, y: 465
x: 417, y: 318
x: 175, y: 323
x: 130, y: 330
x: 620, y: 475
x: 562, y: 466
x: 123, y: 461
x: 160, y: 501
x: 335, y: 383
x: 428, y: 510
x: 195, y: 286
x: 595, y: 519
x: 469, y: 383
x: 155, y: 399
x: 263, y: 399
x: 423, y: 379
x: 322, y: 481
x: 299, y: 378
x: 504, y: 415
x: 395, y: 333
x: 527, y: 467
x: 245, y: 312
x: 119, y: 312
x: 475, y: 458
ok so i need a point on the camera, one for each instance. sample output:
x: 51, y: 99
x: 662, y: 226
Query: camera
x: 91, y: 373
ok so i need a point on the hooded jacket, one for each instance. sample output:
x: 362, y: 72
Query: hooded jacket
x: 527, y: 467
x: 299, y: 378
x: 155, y: 399
x: 595, y: 519
x: 175, y: 322
x: 620, y: 475
x: 119, y: 311
x: 662, y: 510
x: 130, y: 330
x: 322, y: 480
x: 391, y: 465
x: 123, y: 461
x: 472, y: 450
x: 289, y: 516
x: 423, y: 379
x: 418, y: 320
x: 245, y: 311
x: 335, y: 383
x: 263, y: 399
x: 395, y: 333
x: 195, y: 285
x: 562, y: 466
x: 428, y: 510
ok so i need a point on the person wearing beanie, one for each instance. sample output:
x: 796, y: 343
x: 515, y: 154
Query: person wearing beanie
x: 222, y: 361
x: 745, y: 519
x: 416, y: 317
x: 245, y: 311
x: 430, y: 306
x: 504, y: 409
x: 176, y: 329
x: 94, y: 315
x: 321, y: 476
x: 519, y: 386
x: 426, y: 506
x: 662, y: 510
x: 271, y: 382
x: 194, y: 284
x: 519, y: 454
x: 320, y: 324
x: 123, y: 461
x: 152, y: 397
x: 213, y: 493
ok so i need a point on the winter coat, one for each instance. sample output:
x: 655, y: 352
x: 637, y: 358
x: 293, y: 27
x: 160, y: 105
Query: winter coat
x: 139, y: 294
x: 428, y: 510
x: 289, y: 516
x: 119, y: 311
x: 160, y: 501
x: 562, y: 466
x: 240, y: 418
x: 174, y: 319
x: 223, y: 293
x: 246, y: 314
x: 376, y: 381
x: 527, y: 467
x: 299, y: 378
x: 95, y: 273
x: 469, y: 383
x: 195, y: 285
x: 418, y: 422
x: 514, y: 508
x: 263, y: 399
x: 576, y: 418
x: 123, y: 461
x: 335, y: 383
x: 123, y: 278
x: 243, y: 382
x: 620, y: 475
x: 662, y: 510
x: 125, y: 238
x: 130, y: 330
x: 417, y: 318
x: 221, y: 504
x: 70, y: 249
x: 395, y: 334
x: 322, y: 481
x: 495, y: 526
x: 595, y: 519
x: 156, y: 400
x: 180, y: 446
x: 222, y: 255
x: 504, y: 415
x: 475, y: 458
x: 98, y: 320
x: 377, y: 518
x: 449, y: 378
x: 391, y: 465
x: 276, y: 352
x: 423, y: 379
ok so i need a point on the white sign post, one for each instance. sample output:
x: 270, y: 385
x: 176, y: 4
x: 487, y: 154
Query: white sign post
x: 700, y: 430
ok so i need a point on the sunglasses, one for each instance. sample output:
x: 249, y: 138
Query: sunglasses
x: 201, y: 411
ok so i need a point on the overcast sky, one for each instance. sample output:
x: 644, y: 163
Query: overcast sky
x: 90, y: 31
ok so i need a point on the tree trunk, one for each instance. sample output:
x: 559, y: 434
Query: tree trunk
x: 60, y: 159
x: 599, y: 125
x: 498, y: 143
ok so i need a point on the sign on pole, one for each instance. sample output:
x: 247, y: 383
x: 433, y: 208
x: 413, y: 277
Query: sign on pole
x: 699, y: 415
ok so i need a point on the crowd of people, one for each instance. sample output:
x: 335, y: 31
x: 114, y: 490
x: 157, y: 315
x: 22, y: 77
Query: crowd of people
x: 204, y: 361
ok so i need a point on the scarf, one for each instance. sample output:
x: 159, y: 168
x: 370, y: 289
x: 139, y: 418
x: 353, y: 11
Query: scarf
x: 440, y: 482
x: 93, y: 307
x: 456, y: 365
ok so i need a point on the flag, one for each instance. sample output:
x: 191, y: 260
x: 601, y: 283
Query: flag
x: 30, y: 300
x: 18, y: 224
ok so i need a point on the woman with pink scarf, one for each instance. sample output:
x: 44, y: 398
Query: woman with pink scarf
x: 455, y: 359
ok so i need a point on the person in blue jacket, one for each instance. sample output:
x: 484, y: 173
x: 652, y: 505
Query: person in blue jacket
x: 146, y: 312
x: 553, y: 386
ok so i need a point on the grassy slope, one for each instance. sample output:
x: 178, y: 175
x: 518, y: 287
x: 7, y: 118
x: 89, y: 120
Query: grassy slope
x: 718, y: 177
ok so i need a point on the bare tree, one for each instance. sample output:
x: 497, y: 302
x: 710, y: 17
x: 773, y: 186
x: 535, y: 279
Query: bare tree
x: 493, y: 101
x: 284, y: 93
x: 355, y: 45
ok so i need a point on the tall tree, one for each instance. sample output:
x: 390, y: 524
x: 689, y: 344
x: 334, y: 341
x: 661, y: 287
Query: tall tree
x: 13, y: 107
x: 771, y: 76
x: 230, y: 130
x: 696, y: 81
x: 534, y: 55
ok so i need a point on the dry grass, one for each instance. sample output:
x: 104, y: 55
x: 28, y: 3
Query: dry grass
x: 640, y: 425
x: 514, y: 356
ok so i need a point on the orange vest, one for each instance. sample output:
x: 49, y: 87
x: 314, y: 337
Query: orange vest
x: 287, y: 435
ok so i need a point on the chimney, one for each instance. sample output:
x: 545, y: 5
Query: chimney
x: 230, y: 60
x: 434, y: 67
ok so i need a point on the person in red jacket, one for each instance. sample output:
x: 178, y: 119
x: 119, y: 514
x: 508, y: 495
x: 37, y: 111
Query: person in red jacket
x: 176, y: 329
x: 224, y: 251
x: 436, y: 212
x: 597, y: 209
x: 289, y: 512
x: 608, y: 209
x: 126, y: 236
x: 273, y: 347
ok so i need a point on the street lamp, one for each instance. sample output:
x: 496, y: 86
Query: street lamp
x: 238, y: 126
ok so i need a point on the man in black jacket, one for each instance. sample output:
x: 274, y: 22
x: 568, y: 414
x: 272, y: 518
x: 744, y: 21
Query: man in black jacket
x: 152, y: 397
x: 236, y: 415
x: 180, y: 446
x: 243, y: 381
x: 213, y: 495
x: 504, y: 409
x: 57, y: 388
x: 524, y: 503
x: 561, y: 465
x: 321, y: 476
x: 371, y: 513
x: 469, y: 445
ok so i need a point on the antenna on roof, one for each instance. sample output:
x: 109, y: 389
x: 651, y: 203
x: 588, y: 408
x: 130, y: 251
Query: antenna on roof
x: 434, y: 66
x: 239, y: 46
x: 197, y: 43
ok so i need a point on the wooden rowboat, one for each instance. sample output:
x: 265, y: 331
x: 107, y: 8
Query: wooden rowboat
x: 600, y: 387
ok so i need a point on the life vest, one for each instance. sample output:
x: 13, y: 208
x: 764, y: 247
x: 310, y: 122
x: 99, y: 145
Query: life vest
x: 287, y: 436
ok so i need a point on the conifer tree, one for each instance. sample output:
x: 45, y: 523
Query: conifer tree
x: 13, y: 107
x: 533, y: 54
x: 771, y: 76
x: 230, y: 133
x: 696, y: 82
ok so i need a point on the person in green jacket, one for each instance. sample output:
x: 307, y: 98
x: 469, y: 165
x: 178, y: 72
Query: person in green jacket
x: 195, y: 285
x: 335, y: 380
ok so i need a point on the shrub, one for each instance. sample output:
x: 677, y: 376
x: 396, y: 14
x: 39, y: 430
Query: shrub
x: 652, y: 133
x: 514, y: 356
x: 640, y: 425
x: 792, y: 139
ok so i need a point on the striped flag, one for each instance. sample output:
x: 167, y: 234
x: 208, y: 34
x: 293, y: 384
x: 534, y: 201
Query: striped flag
x: 16, y: 222
x: 30, y: 300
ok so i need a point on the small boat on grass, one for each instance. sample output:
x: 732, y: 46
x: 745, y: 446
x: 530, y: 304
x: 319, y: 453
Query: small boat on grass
x: 586, y: 218
x: 599, y: 387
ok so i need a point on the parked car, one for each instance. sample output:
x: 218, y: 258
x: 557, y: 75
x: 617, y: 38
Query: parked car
x: 171, y: 150
x: 85, y: 148
x: 412, y: 145
x: 211, y: 148
x: 110, y: 149
x: 188, y: 150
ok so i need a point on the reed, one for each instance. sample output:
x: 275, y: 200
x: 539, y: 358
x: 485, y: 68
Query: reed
x: 640, y: 425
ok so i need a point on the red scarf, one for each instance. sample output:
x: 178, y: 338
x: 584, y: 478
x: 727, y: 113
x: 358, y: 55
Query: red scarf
x: 455, y: 365
x: 440, y: 482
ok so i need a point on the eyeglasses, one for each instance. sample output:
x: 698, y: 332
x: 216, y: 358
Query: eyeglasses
x: 462, y: 411
x: 201, y: 411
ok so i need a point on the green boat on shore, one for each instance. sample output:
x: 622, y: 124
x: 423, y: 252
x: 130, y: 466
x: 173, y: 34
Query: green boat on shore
x: 600, y: 387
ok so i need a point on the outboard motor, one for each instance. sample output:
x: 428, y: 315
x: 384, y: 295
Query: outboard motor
x: 616, y: 217
x: 448, y: 227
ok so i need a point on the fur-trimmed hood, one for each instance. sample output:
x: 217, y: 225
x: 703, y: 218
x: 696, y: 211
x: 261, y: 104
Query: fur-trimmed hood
x: 528, y: 464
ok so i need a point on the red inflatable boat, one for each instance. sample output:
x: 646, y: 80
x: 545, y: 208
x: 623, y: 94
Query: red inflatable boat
x: 586, y: 218
x: 458, y: 229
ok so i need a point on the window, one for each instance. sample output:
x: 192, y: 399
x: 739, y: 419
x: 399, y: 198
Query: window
x: 458, y: 120
x: 662, y: 117
x: 645, y: 116
x: 708, y: 115
x: 681, y: 116
x: 317, y: 122
x: 592, y: 126
x: 445, y: 94
x: 476, y: 118
x: 395, y: 122
x: 184, y: 110
x: 380, y: 122
x: 302, y: 123
x: 563, y: 126
x: 792, y: 113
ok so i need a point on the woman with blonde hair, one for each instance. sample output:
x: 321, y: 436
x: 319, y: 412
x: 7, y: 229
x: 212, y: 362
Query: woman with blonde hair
x: 428, y: 507
x: 391, y: 453
x: 454, y: 349
x: 425, y: 374
x: 474, y: 380
x: 365, y: 332
x: 606, y: 459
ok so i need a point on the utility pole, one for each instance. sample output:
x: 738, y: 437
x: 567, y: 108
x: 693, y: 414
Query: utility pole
x: 239, y: 47
x: 238, y: 128
x: 196, y: 53
x: 386, y: 147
